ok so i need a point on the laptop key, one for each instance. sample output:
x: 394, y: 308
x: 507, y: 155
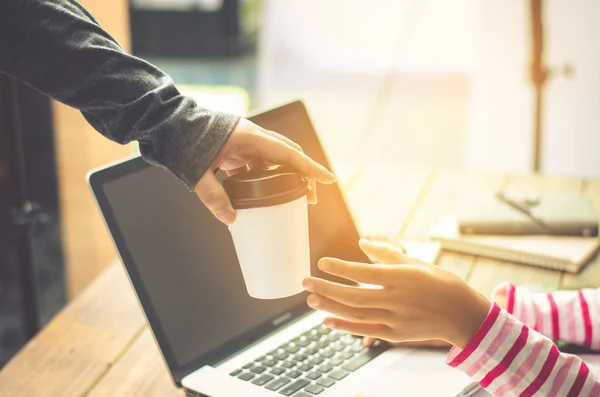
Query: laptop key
x: 338, y: 346
x: 325, y: 368
x: 246, y: 376
x: 305, y: 367
x: 333, y: 337
x: 363, y: 358
x: 314, y: 375
x: 269, y: 362
x: 277, y: 370
x: 259, y: 369
x: 292, y: 348
x: 314, y: 389
x: 294, y: 374
x: 235, y: 373
x: 312, y: 350
x: 302, y: 341
x: 313, y: 335
x: 347, y: 354
x: 323, y: 344
x: 316, y: 360
x: 323, y: 330
x: 327, y: 353
x: 358, y: 347
x: 288, y: 364
x: 327, y: 382
x: 294, y: 387
x: 263, y: 379
x: 248, y: 365
x: 278, y: 383
x: 338, y: 374
x: 349, y: 338
x: 337, y: 360
x: 281, y: 355
x: 302, y: 394
x: 301, y: 357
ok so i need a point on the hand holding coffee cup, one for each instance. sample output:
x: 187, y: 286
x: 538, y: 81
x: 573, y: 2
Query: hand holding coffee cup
x: 270, y: 232
x: 249, y: 143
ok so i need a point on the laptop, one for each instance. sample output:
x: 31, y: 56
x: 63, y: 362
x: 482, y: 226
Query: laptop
x: 215, y: 339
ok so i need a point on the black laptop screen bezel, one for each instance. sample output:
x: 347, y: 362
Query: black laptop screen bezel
x: 97, y: 179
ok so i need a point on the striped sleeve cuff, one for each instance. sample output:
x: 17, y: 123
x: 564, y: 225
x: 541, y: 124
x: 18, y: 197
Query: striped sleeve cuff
x: 570, y: 316
x: 507, y: 357
x: 484, y: 336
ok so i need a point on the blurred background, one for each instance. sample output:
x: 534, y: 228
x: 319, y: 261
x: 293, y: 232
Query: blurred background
x: 465, y: 84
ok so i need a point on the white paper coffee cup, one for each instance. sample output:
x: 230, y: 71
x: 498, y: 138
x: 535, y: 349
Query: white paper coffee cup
x: 270, y: 233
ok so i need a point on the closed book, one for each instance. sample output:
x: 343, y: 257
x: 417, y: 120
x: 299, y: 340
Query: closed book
x: 565, y: 253
x: 558, y: 214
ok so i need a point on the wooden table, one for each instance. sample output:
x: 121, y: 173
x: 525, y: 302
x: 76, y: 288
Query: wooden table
x: 99, y: 345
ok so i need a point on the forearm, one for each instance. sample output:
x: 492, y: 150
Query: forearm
x: 508, y: 358
x: 570, y: 316
x: 57, y: 48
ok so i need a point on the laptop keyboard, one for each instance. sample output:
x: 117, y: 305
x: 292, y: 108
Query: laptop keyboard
x: 310, y: 363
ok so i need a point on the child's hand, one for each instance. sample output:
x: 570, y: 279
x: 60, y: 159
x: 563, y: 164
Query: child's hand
x: 417, y: 301
x: 382, y: 252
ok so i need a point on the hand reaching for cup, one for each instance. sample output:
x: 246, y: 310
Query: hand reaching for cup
x: 385, y: 252
x: 417, y: 301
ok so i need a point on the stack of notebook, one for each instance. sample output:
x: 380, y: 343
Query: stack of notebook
x: 562, y: 234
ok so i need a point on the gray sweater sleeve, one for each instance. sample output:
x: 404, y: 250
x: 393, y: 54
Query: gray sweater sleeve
x: 57, y: 48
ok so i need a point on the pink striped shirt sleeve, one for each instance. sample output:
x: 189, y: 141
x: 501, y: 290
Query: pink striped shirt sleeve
x: 570, y: 316
x: 508, y: 358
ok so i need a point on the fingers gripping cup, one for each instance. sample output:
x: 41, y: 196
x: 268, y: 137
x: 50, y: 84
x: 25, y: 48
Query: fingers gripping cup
x: 270, y: 232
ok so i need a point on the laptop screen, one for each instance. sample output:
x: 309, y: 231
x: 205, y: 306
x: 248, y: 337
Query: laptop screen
x: 183, y: 263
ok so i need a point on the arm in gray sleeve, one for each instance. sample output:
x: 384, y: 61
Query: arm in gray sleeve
x: 57, y: 48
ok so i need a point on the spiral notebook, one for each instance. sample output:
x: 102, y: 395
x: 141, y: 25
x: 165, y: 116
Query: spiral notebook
x: 564, y: 253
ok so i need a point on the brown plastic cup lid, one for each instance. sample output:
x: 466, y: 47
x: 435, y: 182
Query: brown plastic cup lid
x: 265, y: 187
